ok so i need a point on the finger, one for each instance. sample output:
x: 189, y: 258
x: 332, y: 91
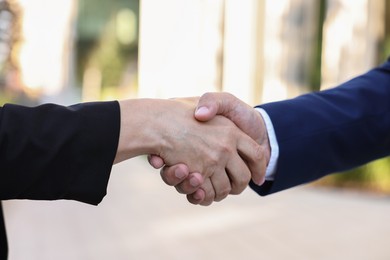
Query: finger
x: 190, y: 184
x: 207, y: 107
x: 239, y: 175
x: 173, y: 175
x: 221, y: 185
x: 241, y: 114
x: 155, y: 161
x: 197, y: 197
x: 253, y: 155
x: 211, y: 104
x: 209, y: 194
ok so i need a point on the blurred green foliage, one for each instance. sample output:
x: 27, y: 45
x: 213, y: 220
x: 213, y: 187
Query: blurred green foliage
x: 374, y: 176
x: 315, y: 73
x: 10, y: 37
x: 110, y: 56
x: 4, y: 98
x: 99, y: 43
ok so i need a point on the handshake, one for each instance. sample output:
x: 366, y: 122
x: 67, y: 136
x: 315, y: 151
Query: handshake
x: 207, y: 147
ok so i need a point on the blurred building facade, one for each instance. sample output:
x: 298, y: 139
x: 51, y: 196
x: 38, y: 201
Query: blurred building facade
x: 67, y: 51
x: 258, y: 50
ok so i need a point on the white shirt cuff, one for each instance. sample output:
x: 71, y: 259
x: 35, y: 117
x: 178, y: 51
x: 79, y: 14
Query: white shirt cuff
x: 273, y: 161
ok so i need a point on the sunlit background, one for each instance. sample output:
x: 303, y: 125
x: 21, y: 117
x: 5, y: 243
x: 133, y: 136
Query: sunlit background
x: 68, y: 51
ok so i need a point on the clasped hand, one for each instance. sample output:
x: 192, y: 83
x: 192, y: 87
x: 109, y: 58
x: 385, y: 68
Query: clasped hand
x: 218, y: 153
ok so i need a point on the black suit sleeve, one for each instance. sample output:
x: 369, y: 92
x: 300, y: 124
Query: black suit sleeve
x: 53, y: 152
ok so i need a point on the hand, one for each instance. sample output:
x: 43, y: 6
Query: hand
x: 214, y: 148
x: 244, y: 116
x: 180, y: 173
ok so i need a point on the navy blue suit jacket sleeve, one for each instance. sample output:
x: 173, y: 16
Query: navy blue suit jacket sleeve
x: 53, y: 152
x: 332, y: 130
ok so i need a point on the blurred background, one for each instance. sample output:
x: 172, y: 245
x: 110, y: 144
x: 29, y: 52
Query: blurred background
x: 68, y: 51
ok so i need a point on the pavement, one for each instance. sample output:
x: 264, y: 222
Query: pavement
x: 142, y: 218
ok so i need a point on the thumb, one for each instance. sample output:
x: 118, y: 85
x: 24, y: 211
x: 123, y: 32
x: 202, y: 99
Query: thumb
x: 210, y: 105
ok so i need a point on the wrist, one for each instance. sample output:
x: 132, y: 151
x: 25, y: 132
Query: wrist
x: 138, y: 133
x: 263, y: 139
x: 270, y: 144
x: 267, y: 148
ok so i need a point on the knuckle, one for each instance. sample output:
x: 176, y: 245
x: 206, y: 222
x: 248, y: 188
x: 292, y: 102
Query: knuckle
x: 207, y: 95
x: 224, y: 149
x: 168, y: 175
x: 209, y: 197
x: 165, y: 177
x: 237, y: 189
x: 205, y: 98
x: 240, y: 184
x: 258, y: 153
x: 192, y: 200
x: 227, y: 95
x: 185, y: 187
x: 214, y: 160
x: 223, y: 193
x: 212, y: 164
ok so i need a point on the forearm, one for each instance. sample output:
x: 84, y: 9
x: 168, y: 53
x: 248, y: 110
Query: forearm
x: 139, y: 132
x: 55, y: 152
x: 330, y: 131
